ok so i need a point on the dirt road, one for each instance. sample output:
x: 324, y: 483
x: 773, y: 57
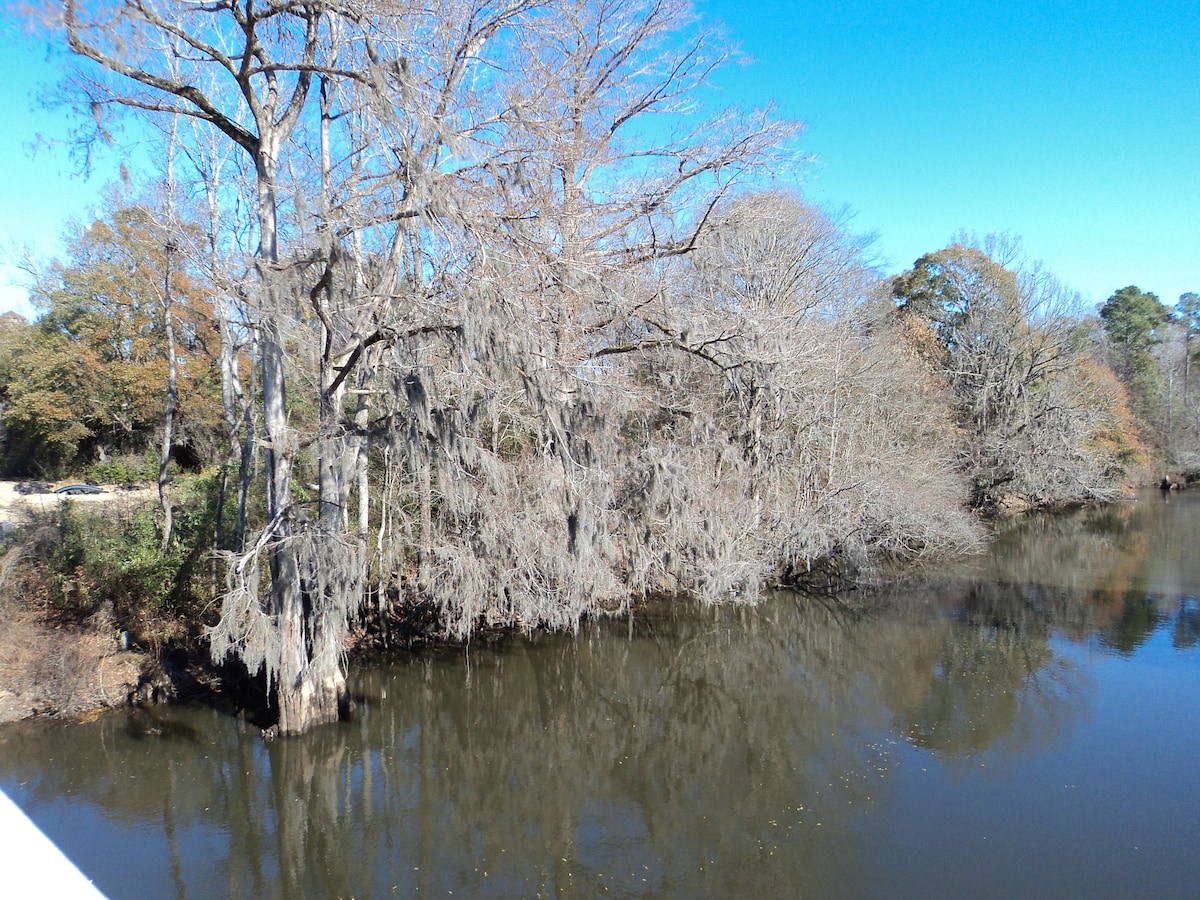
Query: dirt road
x: 19, y: 508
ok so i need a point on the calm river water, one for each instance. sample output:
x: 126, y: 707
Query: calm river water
x: 1023, y: 724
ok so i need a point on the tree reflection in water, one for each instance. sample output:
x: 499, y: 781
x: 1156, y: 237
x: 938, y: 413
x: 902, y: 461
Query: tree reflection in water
x: 1187, y: 623
x: 996, y: 683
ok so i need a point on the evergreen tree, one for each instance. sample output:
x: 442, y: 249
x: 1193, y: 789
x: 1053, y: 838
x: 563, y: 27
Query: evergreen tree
x: 1133, y: 321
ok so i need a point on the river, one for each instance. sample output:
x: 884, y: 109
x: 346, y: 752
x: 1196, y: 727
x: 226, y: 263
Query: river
x: 1022, y: 723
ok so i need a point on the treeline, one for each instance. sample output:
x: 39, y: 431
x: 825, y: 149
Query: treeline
x: 483, y: 310
x: 84, y: 387
x: 1152, y: 348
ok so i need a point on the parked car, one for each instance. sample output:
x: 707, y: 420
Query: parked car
x: 79, y: 489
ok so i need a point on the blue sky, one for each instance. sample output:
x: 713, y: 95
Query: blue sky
x: 1073, y: 124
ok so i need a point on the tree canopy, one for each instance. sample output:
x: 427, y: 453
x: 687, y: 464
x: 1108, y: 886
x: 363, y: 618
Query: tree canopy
x: 1133, y: 319
x: 1045, y: 424
x: 88, y: 378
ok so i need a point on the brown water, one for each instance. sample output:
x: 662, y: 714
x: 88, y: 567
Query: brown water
x: 1026, y: 724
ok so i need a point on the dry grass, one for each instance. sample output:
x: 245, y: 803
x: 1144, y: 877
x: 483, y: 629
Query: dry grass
x: 52, y: 663
x: 46, y: 671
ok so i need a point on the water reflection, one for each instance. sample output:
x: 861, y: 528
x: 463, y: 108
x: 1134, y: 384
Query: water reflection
x: 1187, y: 623
x: 994, y: 685
x: 690, y: 752
x: 1138, y: 618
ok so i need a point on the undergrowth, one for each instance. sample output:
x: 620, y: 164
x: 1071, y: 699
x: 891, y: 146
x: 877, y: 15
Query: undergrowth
x: 74, y: 561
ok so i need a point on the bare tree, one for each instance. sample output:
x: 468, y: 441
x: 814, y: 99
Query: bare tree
x: 452, y: 208
x: 153, y: 57
x: 550, y: 263
x: 1005, y: 335
x: 847, y: 446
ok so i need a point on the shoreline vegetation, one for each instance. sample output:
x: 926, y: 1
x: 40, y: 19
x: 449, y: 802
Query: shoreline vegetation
x: 73, y: 660
x: 489, y: 316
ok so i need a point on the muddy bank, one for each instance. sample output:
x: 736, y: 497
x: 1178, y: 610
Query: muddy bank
x: 63, y: 672
x: 53, y: 664
x: 68, y: 672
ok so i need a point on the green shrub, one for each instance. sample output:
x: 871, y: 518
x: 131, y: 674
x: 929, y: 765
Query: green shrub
x: 112, y: 553
x: 129, y: 467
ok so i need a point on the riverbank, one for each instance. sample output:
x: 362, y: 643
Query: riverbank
x: 54, y: 668
x: 49, y: 671
x: 61, y: 656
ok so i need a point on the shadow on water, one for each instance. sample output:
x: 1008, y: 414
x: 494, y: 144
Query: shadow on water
x: 689, y: 752
x: 143, y: 722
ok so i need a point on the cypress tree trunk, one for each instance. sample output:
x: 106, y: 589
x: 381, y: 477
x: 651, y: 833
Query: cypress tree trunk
x: 308, y: 689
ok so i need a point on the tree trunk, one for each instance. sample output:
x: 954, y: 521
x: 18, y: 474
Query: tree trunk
x: 164, y: 461
x: 310, y: 700
x: 361, y: 470
x: 299, y: 702
x: 425, y: 533
x: 172, y: 368
x: 308, y: 690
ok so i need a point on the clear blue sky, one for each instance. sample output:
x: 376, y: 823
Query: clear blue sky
x: 1073, y: 124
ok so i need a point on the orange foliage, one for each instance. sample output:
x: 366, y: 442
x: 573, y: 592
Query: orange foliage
x: 92, y: 371
x: 1117, y: 438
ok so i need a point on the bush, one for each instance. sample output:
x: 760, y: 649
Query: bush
x: 111, y: 553
x: 125, y: 468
